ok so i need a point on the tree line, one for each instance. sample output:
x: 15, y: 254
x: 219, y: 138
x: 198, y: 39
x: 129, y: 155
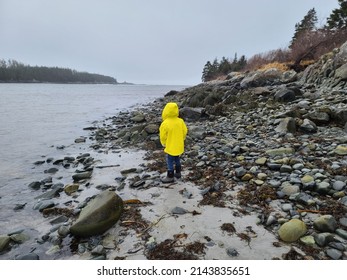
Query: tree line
x: 217, y: 68
x: 12, y: 71
x: 308, y: 43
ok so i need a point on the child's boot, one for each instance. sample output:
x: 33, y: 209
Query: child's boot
x: 169, y: 177
x: 178, y: 172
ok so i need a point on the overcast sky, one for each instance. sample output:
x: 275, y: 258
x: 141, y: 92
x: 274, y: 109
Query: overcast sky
x: 147, y: 41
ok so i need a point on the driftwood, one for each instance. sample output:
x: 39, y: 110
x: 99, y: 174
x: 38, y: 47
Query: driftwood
x: 310, y: 211
x: 152, y: 225
x: 107, y: 166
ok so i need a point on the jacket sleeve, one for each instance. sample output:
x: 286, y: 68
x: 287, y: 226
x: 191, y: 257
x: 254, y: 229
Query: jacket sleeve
x: 185, y: 129
x: 163, y: 134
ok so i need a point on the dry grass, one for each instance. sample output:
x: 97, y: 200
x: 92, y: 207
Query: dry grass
x: 280, y: 66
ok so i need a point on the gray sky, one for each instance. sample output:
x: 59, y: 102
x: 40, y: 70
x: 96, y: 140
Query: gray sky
x: 147, y: 41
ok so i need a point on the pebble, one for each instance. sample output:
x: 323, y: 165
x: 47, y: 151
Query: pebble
x: 339, y: 185
x: 31, y: 256
x: 232, y: 252
x: 323, y: 239
x: 178, y: 211
x: 334, y: 254
x: 342, y: 233
x: 286, y: 207
x: 325, y: 223
x: 343, y: 221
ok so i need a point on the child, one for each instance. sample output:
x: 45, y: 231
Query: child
x: 172, y: 132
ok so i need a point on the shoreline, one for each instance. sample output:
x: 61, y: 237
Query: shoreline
x: 249, y: 170
x: 156, y: 218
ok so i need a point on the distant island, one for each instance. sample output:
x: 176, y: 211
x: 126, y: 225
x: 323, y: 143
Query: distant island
x: 16, y: 72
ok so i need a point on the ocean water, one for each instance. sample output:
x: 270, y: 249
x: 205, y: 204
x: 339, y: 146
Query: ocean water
x: 35, y: 119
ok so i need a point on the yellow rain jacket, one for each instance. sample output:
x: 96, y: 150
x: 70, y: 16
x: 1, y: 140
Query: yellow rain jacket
x: 172, y: 131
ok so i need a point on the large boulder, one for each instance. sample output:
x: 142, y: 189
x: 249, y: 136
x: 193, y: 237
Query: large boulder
x: 285, y: 95
x: 152, y: 128
x: 318, y: 117
x: 341, y: 72
x: 341, y: 56
x: 260, y: 78
x: 4, y: 242
x: 100, y: 214
x: 192, y: 114
x: 340, y: 115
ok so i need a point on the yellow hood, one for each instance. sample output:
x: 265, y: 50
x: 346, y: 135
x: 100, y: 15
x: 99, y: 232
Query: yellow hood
x: 170, y: 111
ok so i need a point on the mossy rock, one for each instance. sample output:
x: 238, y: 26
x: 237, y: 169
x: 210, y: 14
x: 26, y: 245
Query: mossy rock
x: 292, y: 230
x: 4, y: 242
x: 100, y: 214
x: 341, y: 150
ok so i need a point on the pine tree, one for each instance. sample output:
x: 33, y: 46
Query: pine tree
x: 338, y: 18
x: 242, y: 62
x: 206, y: 71
x: 307, y: 25
x: 215, y: 67
x: 224, y: 66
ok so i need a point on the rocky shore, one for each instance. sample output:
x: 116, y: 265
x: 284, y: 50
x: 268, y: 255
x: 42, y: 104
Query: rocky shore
x: 264, y: 174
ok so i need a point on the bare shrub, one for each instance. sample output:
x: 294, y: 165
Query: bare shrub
x: 308, y: 47
x: 259, y: 60
x: 313, y: 44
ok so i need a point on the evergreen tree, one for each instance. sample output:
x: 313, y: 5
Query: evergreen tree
x: 224, y: 66
x: 234, y: 64
x: 206, y: 72
x: 213, y: 70
x: 242, y: 62
x: 307, y: 24
x: 215, y: 67
x: 338, y: 18
x: 235, y: 59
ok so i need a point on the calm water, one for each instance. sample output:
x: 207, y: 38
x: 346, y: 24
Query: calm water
x: 37, y: 118
x: 33, y: 117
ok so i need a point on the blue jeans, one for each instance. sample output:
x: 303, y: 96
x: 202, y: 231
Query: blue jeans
x: 171, y: 160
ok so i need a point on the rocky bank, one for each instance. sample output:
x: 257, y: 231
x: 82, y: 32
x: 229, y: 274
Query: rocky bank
x: 264, y: 173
